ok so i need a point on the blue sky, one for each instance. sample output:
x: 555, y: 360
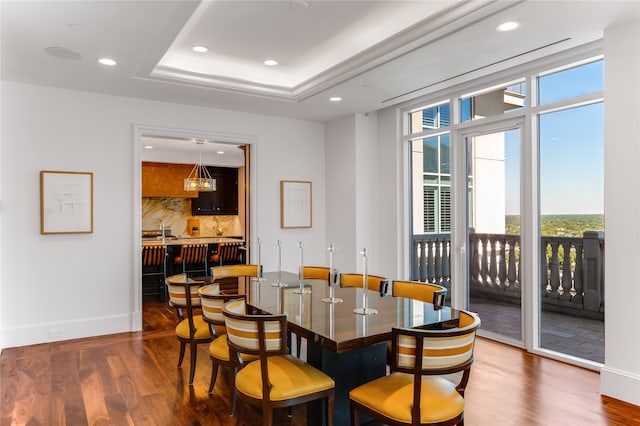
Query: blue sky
x: 571, y: 148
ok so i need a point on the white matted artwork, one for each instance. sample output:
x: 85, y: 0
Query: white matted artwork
x: 66, y: 202
x: 295, y: 204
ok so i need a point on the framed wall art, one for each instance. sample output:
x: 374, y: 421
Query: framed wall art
x: 66, y: 202
x: 295, y: 204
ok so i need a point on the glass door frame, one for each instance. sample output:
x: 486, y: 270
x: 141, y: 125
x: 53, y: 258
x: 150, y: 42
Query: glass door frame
x: 528, y: 220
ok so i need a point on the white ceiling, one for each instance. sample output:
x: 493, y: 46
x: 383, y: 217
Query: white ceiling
x: 371, y: 53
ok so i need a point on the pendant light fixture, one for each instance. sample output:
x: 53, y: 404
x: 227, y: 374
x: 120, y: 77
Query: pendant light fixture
x: 199, y: 179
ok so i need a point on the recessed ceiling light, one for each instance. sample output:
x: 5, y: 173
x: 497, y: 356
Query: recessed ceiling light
x: 107, y: 61
x: 148, y: 147
x: 507, y: 26
x: 220, y: 152
x: 335, y: 99
x: 271, y: 62
x: 75, y: 26
x: 200, y: 49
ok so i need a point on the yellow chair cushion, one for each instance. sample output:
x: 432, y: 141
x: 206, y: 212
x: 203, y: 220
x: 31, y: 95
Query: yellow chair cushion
x: 392, y: 396
x: 289, y: 376
x: 202, y: 328
x: 219, y: 349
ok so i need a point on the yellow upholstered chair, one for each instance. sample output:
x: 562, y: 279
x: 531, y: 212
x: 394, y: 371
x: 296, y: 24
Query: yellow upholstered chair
x: 374, y: 283
x: 219, y: 273
x: 315, y: 273
x: 226, y: 271
x: 192, y: 330
x: 212, y: 302
x: 276, y: 379
x: 415, y: 393
x: 424, y: 292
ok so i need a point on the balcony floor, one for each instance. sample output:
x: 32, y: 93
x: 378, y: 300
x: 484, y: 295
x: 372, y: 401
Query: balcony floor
x: 567, y: 334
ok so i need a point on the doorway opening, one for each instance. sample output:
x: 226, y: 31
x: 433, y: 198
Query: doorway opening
x: 170, y: 217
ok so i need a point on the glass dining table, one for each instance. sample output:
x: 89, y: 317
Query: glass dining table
x: 349, y: 347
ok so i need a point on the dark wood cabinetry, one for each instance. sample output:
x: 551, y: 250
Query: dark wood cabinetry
x: 222, y: 201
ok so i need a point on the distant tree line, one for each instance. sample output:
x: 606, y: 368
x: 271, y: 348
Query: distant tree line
x: 561, y: 225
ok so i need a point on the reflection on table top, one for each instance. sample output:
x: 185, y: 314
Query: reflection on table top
x: 335, y: 325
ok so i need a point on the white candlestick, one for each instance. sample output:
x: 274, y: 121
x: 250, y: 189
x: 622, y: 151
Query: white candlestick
x: 365, y: 279
x: 331, y: 249
x: 278, y: 282
x: 332, y: 279
x: 259, y: 256
x: 300, y: 270
x: 365, y: 310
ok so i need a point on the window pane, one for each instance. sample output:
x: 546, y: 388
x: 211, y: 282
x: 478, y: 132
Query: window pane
x: 571, y: 205
x: 445, y: 160
x: 465, y: 109
x: 495, y: 102
x: 570, y: 83
x: 433, y: 117
x: 429, y: 208
x: 430, y: 179
x: 445, y: 115
x: 445, y: 209
x: 430, y: 154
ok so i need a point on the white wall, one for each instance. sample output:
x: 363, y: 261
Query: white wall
x: 84, y: 285
x: 620, y: 377
x: 341, y: 193
x: 392, y: 203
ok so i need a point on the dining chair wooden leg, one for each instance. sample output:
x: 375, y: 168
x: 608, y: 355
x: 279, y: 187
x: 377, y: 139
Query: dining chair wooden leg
x: 353, y: 414
x: 214, y: 375
x: 183, y: 346
x: 232, y: 382
x: 193, y: 354
x: 331, y: 403
x: 267, y: 413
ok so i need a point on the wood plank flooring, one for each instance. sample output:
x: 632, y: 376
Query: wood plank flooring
x: 132, y: 379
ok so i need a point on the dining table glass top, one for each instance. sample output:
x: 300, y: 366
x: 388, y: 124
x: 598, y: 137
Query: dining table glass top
x: 335, y: 325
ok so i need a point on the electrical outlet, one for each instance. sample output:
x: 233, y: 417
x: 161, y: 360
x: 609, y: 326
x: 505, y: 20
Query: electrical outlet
x: 55, y: 332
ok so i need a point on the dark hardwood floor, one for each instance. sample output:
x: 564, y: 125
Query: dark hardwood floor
x: 132, y: 379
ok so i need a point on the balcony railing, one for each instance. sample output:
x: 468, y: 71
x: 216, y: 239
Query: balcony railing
x: 571, y: 275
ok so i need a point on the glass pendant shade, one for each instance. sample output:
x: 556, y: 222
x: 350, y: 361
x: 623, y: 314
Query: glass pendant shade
x: 199, y: 179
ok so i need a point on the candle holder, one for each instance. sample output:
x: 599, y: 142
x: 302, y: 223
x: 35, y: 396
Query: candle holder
x: 332, y: 279
x: 301, y: 290
x: 260, y: 278
x: 365, y: 310
x: 279, y: 282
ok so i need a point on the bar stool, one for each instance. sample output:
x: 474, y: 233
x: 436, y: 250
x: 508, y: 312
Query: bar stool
x: 154, y: 264
x: 228, y: 254
x: 193, y: 255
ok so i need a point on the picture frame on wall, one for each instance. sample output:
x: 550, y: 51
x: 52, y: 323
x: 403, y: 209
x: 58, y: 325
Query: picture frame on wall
x: 66, y: 202
x: 295, y: 204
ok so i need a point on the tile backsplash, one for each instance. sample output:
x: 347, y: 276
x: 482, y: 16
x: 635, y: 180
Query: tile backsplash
x: 175, y: 212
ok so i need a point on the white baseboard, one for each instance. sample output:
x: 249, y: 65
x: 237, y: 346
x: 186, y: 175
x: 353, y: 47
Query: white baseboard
x: 620, y: 385
x: 65, y: 330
